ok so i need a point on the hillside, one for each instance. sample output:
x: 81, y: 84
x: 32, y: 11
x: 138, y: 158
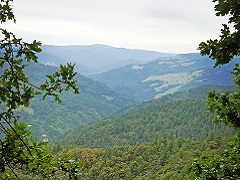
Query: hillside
x: 185, y: 118
x: 163, y: 158
x: 165, y: 75
x: 95, y: 101
x: 95, y: 58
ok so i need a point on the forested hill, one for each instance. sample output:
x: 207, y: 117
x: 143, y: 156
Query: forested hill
x: 164, y: 158
x: 95, y: 101
x: 181, y: 118
x: 166, y: 75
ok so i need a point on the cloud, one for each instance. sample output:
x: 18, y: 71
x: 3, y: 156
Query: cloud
x: 173, y: 26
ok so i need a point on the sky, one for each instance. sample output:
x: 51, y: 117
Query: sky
x: 173, y: 26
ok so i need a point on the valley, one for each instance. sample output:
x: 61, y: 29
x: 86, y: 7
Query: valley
x: 95, y: 101
x: 166, y: 75
x: 138, y: 119
x: 182, y: 118
x: 110, y: 92
x: 119, y: 90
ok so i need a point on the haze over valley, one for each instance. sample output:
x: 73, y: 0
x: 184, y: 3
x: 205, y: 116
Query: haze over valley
x: 119, y: 90
x: 135, y: 76
x: 146, y: 107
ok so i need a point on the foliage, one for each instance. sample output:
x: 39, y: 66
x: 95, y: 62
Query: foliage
x: 226, y: 166
x: 18, y: 151
x: 228, y: 46
x: 224, y: 105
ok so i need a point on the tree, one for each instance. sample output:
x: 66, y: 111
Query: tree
x: 226, y: 106
x: 224, y: 49
x: 18, y: 151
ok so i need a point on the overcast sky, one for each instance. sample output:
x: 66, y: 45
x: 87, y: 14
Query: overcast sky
x: 175, y: 26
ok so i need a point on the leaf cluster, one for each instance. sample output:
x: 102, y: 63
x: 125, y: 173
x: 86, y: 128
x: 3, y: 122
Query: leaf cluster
x: 56, y: 81
x: 23, y: 154
x: 224, y: 49
x: 226, y: 105
x: 6, y: 12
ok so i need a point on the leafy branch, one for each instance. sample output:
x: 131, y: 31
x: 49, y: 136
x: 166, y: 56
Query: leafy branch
x: 19, y: 151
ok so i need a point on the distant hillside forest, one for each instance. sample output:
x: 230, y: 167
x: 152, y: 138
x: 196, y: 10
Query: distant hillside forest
x: 173, y: 116
x: 95, y: 101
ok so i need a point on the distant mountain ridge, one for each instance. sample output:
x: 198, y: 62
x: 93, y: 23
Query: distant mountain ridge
x: 95, y: 58
x: 166, y: 75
